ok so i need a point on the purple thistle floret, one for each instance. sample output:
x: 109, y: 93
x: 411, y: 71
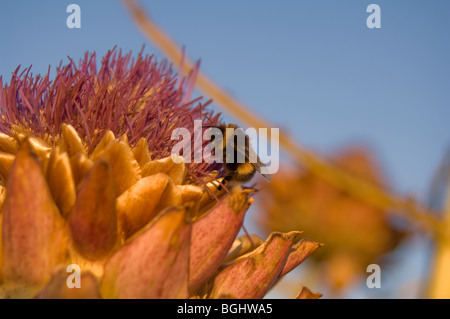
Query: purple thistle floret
x: 138, y: 97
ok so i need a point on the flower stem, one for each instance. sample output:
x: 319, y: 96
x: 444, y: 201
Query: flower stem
x: 359, y: 188
x: 439, y: 286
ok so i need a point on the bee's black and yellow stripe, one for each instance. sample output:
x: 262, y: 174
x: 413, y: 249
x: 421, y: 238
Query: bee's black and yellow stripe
x: 239, y: 172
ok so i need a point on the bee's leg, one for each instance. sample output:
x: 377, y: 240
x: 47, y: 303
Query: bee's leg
x: 253, y: 186
x: 248, y: 236
x: 225, y: 181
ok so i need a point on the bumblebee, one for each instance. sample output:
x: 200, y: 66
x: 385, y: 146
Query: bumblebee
x: 242, y: 163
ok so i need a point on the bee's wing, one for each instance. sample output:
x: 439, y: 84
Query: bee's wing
x: 262, y: 169
x: 253, y: 158
x: 247, y: 152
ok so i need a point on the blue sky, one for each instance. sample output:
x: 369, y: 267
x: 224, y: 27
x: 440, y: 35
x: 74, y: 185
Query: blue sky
x: 313, y: 68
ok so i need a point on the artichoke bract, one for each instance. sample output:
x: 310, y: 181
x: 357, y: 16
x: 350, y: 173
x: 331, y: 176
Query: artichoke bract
x: 87, y: 179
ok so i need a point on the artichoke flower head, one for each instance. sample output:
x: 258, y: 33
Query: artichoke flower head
x: 87, y: 179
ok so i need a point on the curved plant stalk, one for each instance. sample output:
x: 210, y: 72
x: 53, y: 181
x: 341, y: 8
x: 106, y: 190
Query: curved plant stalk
x: 357, y: 187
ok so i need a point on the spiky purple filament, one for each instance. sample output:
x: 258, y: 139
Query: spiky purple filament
x: 139, y: 97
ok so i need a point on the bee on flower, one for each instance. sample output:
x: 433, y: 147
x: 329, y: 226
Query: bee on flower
x: 87, y: 179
